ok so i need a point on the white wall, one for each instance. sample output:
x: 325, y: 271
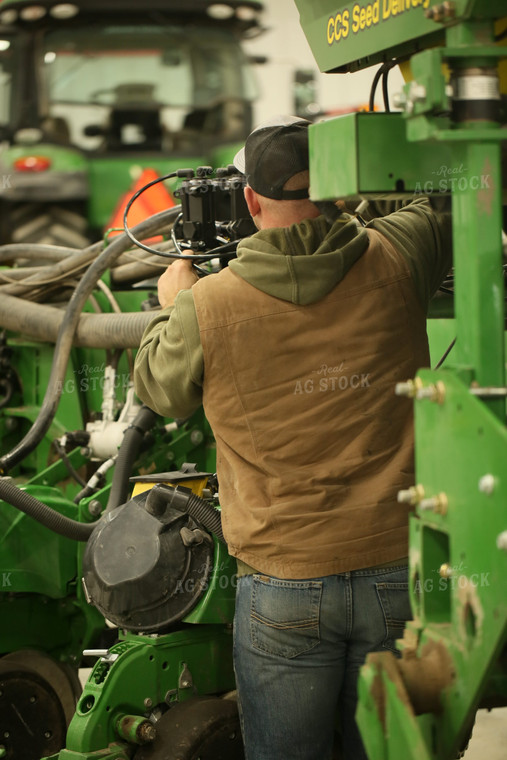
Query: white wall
x: 287, y: 49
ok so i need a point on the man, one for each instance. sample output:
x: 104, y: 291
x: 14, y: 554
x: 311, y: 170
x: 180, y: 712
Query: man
x: 294, y: 350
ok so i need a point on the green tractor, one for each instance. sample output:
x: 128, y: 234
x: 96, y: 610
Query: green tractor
x: 140, y: 588
x: 96, y: 95
x: 93, y: 91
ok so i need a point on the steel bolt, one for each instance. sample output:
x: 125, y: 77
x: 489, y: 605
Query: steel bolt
x: 399, y: 100
x: 412, y: 495
x: 95, y: 508
x: 443, y: 12
x: 501, y: 540
x: 437, y: 504
x: 146, y: 732
x: 417, y: 92
x: 445, y: 570
x: 148, y: 702
x: 196, y: 437
x: 434, y: 392
x: 408, y: 388
x: 487, y: 484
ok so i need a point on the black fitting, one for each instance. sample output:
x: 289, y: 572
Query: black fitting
x: 161, y: 497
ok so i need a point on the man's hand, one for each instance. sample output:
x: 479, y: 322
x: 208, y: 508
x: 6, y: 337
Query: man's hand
x: 178, y: 276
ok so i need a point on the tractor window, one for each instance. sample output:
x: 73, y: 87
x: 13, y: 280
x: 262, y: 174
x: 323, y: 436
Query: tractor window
x: 114, y: 81
x: 6, y: 69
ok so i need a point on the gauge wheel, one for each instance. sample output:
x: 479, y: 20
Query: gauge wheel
x: 48, y: 225
x: 202, y: 728
x: 38, y: 697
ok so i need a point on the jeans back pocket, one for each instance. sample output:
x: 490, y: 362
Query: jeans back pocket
x: 284, y: 616
x: 395, y: 603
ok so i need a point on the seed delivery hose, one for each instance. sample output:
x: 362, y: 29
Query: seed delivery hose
x: 48, y: 517
x: 43, y: 322
x: 67, y: 330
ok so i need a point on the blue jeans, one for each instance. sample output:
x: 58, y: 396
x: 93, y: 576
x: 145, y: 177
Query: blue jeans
x: 298, y: 647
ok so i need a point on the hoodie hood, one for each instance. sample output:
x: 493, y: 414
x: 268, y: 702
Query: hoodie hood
x: 301, y: 263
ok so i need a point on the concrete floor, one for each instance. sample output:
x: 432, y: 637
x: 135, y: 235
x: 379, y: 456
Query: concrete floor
x: 489, y: 737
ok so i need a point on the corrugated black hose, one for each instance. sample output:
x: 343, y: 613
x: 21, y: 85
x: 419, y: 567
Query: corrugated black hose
x: 161, y: 496
x: 48, y: 517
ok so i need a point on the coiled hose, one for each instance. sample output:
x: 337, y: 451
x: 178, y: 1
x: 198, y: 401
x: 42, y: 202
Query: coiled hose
x: 48, y: 517
x: 66, y: 332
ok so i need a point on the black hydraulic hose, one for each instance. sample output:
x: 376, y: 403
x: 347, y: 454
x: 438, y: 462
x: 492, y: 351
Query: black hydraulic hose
x: 66, y: 335
x: 48, y: 517
x: 68, y: 464
x: 127, y: 455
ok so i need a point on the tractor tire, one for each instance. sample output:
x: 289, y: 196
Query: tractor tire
x: 38, y: 697
x: 48, y: 225
x: 202, y: 728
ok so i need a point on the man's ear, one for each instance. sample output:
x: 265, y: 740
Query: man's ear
x: 252, y: 201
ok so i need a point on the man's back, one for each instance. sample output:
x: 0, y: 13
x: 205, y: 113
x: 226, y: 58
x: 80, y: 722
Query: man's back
x: 310, y: 436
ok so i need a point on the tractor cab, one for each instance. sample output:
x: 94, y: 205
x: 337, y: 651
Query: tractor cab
x: 92, y: 82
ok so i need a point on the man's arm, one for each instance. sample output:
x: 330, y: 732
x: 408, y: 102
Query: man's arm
x: 424, y: 237
x: 169, y: 365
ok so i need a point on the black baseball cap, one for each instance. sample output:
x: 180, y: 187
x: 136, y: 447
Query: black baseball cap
x: 274, y: 152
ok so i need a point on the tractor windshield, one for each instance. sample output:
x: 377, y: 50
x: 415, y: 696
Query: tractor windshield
x: 6, y: 74
x: 127, y: 84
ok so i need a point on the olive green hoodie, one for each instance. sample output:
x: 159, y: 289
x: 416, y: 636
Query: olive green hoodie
x: 299, y: 264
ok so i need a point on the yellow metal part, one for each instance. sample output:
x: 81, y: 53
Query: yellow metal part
x: 197, y: 485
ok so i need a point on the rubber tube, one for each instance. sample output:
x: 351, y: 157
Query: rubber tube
x: 66, y: 335
x: 127, y: 455
x: 55, y: 270
x: 42, y: 322
x: 38, y: 251
x: 48, y: 517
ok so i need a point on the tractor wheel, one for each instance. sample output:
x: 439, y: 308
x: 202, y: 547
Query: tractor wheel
x: 203, y: 728
x: 38, y: 697
x: 48, y: 225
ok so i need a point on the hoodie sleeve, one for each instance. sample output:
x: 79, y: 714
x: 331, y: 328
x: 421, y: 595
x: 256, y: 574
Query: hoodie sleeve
x: 423, y: 236
x: 169, y: 366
